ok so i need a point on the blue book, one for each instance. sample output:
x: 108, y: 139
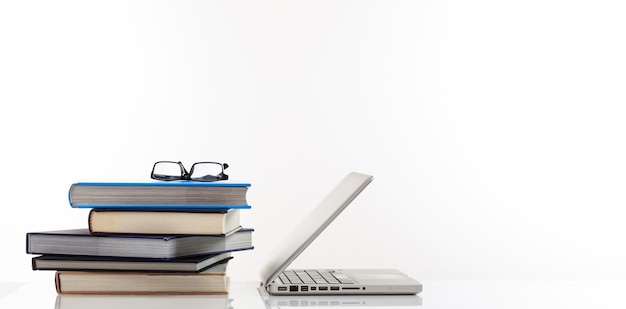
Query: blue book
x: 176, y: 195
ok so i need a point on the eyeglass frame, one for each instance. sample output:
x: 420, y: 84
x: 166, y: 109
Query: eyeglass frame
x: 186, y: 175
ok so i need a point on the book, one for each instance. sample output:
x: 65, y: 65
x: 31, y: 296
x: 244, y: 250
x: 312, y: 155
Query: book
x: 160, y: 194
x: 163, y: 222
x: 89, y: 263
x: 82, y: 242
x: 119, y: 301
x: 211, y: 281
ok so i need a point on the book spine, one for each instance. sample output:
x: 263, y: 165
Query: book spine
x: 89, y: 218
x: 57, y: 282
x: 69, y: 195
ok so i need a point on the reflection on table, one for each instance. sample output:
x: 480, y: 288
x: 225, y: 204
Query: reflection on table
x: 275, y: 302
x: 493, y: 294
x: 73, y: 301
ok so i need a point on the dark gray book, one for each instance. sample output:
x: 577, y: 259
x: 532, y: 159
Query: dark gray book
x: 81, y: 242
x: 100, y: 263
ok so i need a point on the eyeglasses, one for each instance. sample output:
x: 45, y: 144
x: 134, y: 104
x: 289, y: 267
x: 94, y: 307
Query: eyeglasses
x: 200, y: 171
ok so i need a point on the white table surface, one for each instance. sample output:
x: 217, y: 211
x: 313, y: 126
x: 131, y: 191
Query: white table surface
x: 436, y: 294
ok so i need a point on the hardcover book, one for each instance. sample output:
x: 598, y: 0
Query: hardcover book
x: 90, y: 263
x: 211, y: 281
x: 163, y: 222
x: 159, y: 194
x: 82, y: 242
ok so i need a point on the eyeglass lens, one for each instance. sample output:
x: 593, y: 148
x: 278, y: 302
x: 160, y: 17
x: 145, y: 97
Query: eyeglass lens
x: 206, y: 171
x: 167, y: 170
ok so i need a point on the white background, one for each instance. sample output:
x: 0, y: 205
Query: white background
x: 495, y: 129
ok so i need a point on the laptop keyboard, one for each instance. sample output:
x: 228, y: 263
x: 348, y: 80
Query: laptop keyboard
x: 313, y: 277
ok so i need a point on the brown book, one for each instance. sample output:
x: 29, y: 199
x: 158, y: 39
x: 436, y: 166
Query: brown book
x: 211, y: 281
x: 163, y: 222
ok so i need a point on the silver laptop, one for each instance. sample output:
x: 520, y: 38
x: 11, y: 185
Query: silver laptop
x: 278, y: 280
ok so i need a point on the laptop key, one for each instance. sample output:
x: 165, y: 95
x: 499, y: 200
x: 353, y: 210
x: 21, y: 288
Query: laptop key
x: 304, y: 276
x: 320, y: 281
x: 294, y: 279
x: 343, y: 278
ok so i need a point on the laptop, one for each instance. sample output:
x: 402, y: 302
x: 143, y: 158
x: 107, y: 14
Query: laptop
x: 278, y: 280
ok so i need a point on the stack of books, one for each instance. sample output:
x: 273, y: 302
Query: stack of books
x: 158, y: 237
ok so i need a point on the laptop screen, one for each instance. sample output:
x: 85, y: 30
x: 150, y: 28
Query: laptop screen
x: 313, y: 224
